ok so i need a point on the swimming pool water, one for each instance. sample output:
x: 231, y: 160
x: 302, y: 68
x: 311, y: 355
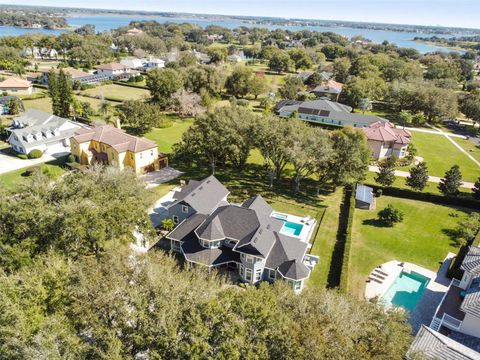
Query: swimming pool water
x: 291, y: 228
x: 406, y: 290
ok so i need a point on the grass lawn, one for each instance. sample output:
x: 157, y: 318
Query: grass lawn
x: 13, y: 179
x: 166, y: 137
x: 468, y: 146
x: 440, y: 155
x: 43, y: 104
x: 422, y: 238
x: 326, y: 238
x: 400, y: 183
x: 118, y: 92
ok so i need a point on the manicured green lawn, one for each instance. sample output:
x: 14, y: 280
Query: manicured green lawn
x: 440, y: 155
x: 43, y: 104
x: 468, y: 146
x: 166, y: 137
x: 422, y: 238
x: 13, y: 179
x: 118, y: 92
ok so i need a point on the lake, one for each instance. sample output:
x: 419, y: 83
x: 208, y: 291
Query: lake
x: 105, y: 23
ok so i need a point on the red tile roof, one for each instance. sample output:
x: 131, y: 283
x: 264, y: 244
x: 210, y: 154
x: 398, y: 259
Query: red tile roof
x: 116, y: 138
x: 387, y: 132
x: 15, y: 83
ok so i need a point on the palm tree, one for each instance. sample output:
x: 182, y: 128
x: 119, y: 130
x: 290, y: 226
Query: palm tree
x: 105, y: 107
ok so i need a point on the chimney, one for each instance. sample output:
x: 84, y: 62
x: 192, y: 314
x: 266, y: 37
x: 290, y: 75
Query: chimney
x: 117, y: 124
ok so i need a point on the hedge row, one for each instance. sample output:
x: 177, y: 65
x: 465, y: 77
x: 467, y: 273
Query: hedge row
x: 108, y: 98
x: 350, y: 199
x: 122, y: 83
x: 338, y: 272
x: 462, y: 201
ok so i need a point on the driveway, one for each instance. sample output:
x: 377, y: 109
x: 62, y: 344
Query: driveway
x: 155, y: 178
x: 10, y: 162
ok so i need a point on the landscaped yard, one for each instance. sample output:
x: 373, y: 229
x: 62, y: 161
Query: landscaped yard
x: 422, y: 238
x: 166, y: 137
x: 118, y: 92
x: 13, y: 179
x: 440, y: 155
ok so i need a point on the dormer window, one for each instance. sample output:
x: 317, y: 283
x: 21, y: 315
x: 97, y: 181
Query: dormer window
x: 184, y: 209
x: 37, y: 136
x: 56, y: 132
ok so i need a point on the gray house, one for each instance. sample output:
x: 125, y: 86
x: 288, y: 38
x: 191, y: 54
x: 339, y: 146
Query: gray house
x: 324, y: 111
x: 364, y: 198
x: 244, y: 237
x: 432, y: 345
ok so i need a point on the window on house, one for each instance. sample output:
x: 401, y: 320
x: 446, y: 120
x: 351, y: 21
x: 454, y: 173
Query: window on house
x: 272, y: 274
x: 151, y: 152
x: 258, y: 274
x: 248, y: 274
x: 141, y: 155
x: 250, y: 259
x: 184, y: 209
x: 297, y: 285
x: 241, y: 270
x: 175, y: 245
x: 216, y: 244
x: 175, y: 219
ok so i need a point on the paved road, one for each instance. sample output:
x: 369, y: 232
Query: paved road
x: 434, y: 179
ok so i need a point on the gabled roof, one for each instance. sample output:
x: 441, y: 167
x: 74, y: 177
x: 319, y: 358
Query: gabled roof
x: 471, y: 262
x: 294, y: 270
x: 330, y: 87
x: 432, y: 345
x: 203, y: 196
x: 471, y: 302
x: 112, y: 66
x: 385, y: 131
x: 285, y: 249
x: 70, y: 71
x: 15, y: 83
x: 116, y: 138
x: 364, y: 193
x: 260, y: 244
x: 187, y: 226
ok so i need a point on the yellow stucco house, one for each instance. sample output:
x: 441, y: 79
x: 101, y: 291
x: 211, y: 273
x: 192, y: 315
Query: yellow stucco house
x: 110, y: 145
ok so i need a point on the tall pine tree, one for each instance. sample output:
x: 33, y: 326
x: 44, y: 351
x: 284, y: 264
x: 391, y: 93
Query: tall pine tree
x: 53, y: 92
x: 451, y: 182
x: 386, y: 174
x: 418, y: 177
x: 476, y: 189
x: 65, y: 94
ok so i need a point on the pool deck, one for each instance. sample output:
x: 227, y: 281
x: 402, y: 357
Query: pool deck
x: 308, y: 224
x: 431, y: 298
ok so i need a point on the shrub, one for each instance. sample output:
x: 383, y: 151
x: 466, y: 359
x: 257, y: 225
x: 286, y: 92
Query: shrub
x: 390, y: 215
x: 71, y: 159
x: 131, y: 79
x: 379, y: 192
x: 22, y: 156
x: 139, y: 78
x: 167, y: 224
x: 35, y: 154
x: 32, y: 171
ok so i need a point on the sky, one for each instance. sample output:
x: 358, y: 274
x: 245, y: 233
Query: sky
x: 461, y: 13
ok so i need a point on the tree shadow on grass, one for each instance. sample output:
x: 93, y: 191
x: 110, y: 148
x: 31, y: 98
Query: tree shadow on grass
x: 375, y: 223
x: 454, y: 237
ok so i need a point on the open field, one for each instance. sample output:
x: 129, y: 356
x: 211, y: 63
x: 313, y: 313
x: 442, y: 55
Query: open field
x: 117, y: 92
x: 440, y: 155
x: 422, y: 238
x: 166, y: 137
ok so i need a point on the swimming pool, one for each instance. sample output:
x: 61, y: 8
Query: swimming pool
x: 289, y: 228
x: 406, y: 290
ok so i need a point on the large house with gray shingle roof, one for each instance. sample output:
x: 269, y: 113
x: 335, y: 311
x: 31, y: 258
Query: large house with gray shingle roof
x: 324, y: 112
x: 460, y: 307
x: 38, y: 130
x: 432, y: 345
x: 246, y: 238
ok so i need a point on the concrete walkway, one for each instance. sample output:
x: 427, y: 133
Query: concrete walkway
x: 10, y: 163
x: 434, y: 179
